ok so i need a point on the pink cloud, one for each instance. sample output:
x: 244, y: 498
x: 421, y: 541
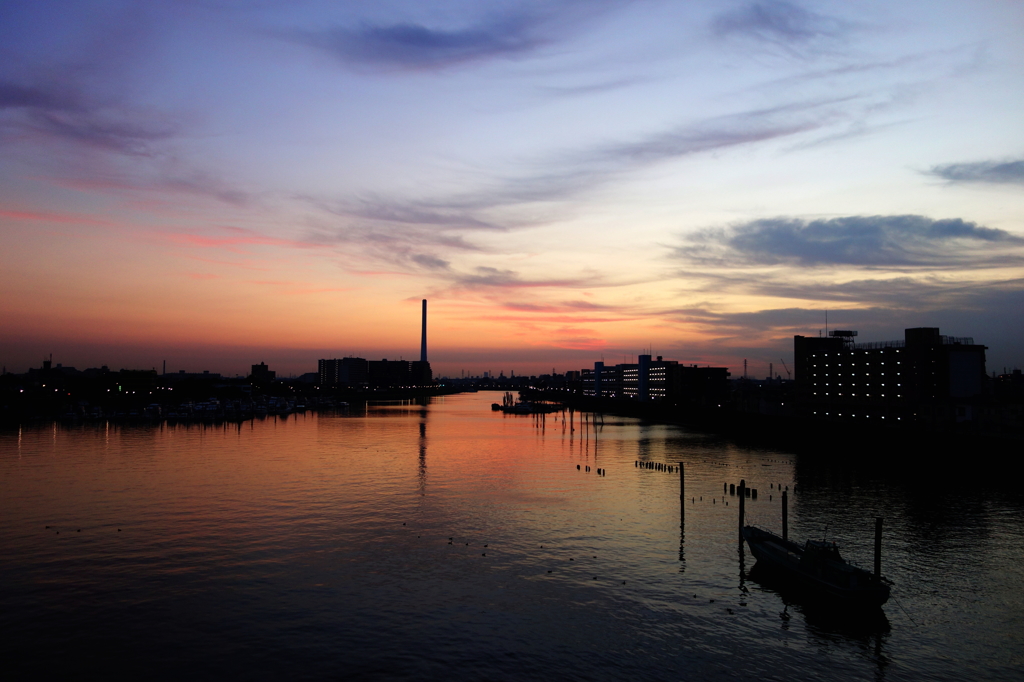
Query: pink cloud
x: 299, y: 288
x: 227, y: 262
x: 240, y: 237
x: 386, y: 273
x: 64, y: 218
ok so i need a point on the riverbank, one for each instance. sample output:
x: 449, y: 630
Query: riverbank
x: 206, y: 402
x: 800, y: 433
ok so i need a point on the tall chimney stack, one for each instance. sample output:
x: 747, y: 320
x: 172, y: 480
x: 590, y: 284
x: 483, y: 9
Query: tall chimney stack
x: 423, y: 336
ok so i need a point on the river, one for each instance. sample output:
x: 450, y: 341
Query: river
x: 407, y: 541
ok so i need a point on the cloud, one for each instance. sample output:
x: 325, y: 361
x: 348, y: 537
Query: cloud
x: 492, y: 277
x: 997, y: 172
x: 430, y: 262
x: 865, y: 241
x: 52, y: 217
x: 779, y: 23
x: 60, y: 112
x: 414, y: 46
x: 236, y: 239
x: 417, y: 234
x: 563, y: 175
x: 173, y: 180
x: 571, y: 307
x: 447, y: 214
x: 728, y: 131
x: 573, y: 172
x: 978, y: 311
x: 589, y: 88
x: 486, y: 277
x: 203, y: 184
x: 112, y: 133
x: 13, y: 96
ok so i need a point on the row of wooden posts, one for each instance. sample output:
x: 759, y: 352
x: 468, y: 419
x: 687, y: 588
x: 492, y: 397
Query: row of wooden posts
x: 742, y: 492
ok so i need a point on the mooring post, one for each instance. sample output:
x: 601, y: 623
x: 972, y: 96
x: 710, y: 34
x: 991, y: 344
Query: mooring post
x: 878, y: 547
x: 743, y: 498
x: 785, y: 515
x: 682, y: 483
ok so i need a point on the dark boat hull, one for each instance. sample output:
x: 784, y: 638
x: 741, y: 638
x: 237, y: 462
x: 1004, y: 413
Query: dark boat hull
x: 835, y: 582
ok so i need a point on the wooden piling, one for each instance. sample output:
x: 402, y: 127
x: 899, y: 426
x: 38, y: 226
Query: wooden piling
x: 682, y: 483
x: 743, y: 499
x: 878, y: 547
x: 785, y: 515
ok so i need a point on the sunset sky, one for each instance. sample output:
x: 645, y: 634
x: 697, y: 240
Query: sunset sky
x: 219, y: 183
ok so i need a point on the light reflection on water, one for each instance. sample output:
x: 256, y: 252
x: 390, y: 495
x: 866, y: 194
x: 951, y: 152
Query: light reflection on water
x: 447, y: 540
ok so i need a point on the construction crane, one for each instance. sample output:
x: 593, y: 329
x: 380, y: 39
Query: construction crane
x: 788, y: 373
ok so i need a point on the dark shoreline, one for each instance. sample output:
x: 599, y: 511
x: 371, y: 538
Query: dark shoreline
x: 913, y: 442
x: 234, y: 410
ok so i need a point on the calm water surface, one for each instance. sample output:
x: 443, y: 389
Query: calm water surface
x: 449, y: 541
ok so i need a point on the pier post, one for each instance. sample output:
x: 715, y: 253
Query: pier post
x: 743, y: 499
x: 878, y: 547
x: 682, y: 483
x: 785, y: 515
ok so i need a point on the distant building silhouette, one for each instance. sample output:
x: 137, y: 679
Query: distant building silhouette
x: 656, y: 380
x: 182, y: 375
x: 420, y: 373
x: 389, y: 373
x: 343, y: 372
x: 262, y: 374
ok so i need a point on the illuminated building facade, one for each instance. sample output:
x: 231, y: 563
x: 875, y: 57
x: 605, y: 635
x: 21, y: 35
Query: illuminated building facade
x: 926, y: 377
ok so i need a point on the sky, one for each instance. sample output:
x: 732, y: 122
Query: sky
x: 218, y: 183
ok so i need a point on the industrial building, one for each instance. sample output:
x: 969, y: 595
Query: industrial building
x: 356, y: 372
x: 927, y: 377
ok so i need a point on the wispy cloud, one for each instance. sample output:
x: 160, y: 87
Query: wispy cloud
x: 57, y: 218
x: 234, y: 239
x: 450, y: 213
x: 163, y: 180
x: 490, y: 277
x: 995, y: 172
x: 430, y: 262
x: 511, y: 201
x: 913, y: 292
x: 109, y: 131
x: 781, y: 24
x: 865, y: 241
x: 577, y: 90
x: 60, y: 112
x: 413, y: 46
x: 14, y: 96
x: 749, y: 127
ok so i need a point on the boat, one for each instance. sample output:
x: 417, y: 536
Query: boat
x: 817, y: 569
x: 509, y: 405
